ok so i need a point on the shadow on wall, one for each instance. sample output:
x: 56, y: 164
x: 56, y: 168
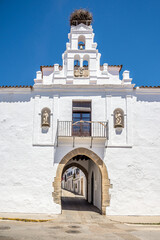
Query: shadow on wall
x: 118, y: 131
x: 60, y: 152
x: 27, y: 96
x: 148, y: 98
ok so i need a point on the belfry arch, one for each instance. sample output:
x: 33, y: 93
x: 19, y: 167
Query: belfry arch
x: 105, y: 182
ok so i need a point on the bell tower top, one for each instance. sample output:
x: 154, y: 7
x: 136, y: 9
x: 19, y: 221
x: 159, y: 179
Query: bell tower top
x: 81, y: 16
x: 81, y: 59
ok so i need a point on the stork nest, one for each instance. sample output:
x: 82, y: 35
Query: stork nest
x: 81, y: 16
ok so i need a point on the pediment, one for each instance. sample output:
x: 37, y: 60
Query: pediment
x: 82, y: 27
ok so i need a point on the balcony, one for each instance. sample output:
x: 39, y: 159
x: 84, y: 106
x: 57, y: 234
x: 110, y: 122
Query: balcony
x: 86, y: 129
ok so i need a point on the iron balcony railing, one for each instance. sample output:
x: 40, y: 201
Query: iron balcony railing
x: 81, y: 128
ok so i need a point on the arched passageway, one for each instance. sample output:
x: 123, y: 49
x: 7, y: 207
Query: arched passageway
x: 94, y: 159
x: 79, y: 166
x: 75, y: 188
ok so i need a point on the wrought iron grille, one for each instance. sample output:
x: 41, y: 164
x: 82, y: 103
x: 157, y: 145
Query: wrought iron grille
x: 82, y: 129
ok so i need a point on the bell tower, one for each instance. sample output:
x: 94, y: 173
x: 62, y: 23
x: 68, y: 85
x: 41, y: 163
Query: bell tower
x: 81, y: 58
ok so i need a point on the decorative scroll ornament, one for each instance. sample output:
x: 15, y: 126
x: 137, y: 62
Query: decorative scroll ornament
x: 45, y: 117
x: 118, y: 118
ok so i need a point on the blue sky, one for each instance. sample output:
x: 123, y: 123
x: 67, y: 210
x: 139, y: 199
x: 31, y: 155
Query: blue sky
x: 35, y: 32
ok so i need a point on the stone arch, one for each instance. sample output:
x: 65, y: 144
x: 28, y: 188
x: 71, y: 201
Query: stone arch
x: 104, y: 176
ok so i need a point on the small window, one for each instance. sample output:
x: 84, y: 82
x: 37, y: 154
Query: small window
x: 118, y: 118
x: 45, y: 117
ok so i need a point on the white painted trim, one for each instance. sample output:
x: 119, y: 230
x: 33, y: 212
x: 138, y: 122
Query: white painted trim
x: 43, y: 144
x: 119, y: 146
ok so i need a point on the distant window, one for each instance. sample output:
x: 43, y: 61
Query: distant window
x: 118, y: 118
x: 77, y: 171
x: 45, y: 117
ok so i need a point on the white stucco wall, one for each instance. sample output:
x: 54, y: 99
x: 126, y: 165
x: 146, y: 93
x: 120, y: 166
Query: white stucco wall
x: 134, y: 172
x: 26, y: 172
x: 28, y: 167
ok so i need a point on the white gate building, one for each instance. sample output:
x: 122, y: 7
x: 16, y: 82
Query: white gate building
x: 82, y: 114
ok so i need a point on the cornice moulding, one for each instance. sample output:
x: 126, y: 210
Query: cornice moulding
x: 79, y: 88
x: 68, y: 87
x: 147, y: 90
x: 15, y: 90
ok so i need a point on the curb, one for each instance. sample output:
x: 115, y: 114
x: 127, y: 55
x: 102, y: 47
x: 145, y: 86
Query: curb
x: 26, y: 220
x: 134, y: 223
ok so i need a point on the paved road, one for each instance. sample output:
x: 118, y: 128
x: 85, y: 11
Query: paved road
x: 74, y: 202
x: 77, y: 223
